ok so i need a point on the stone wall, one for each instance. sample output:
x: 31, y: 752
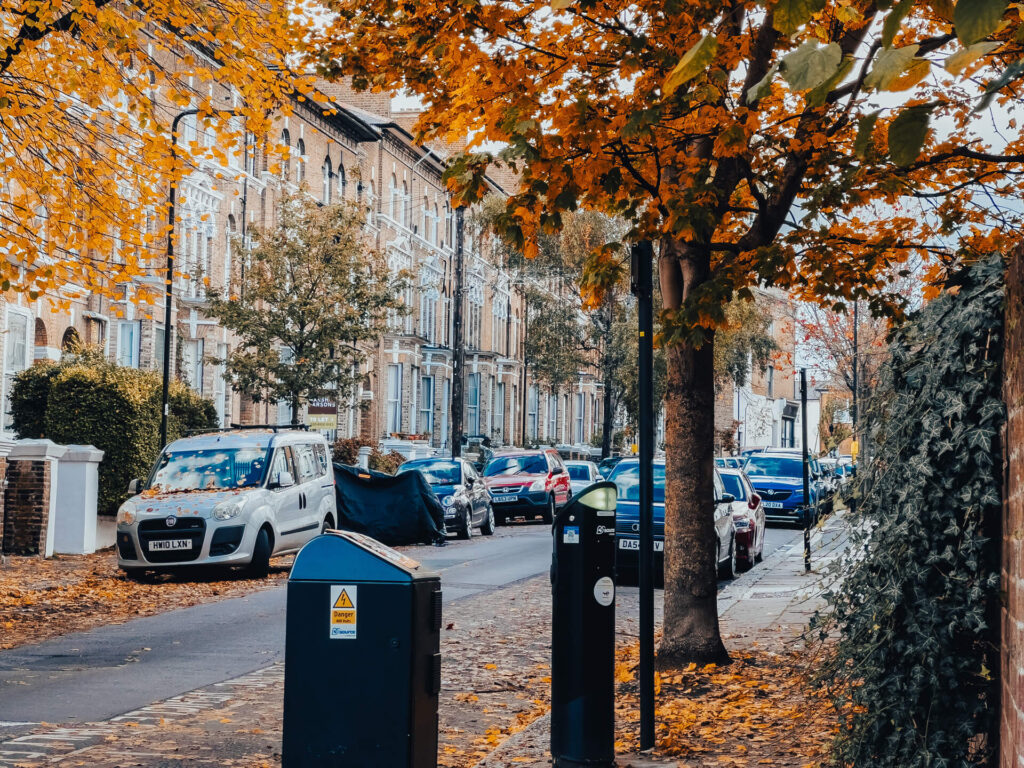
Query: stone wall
x: 26, y: 507
x: 1012, y: 710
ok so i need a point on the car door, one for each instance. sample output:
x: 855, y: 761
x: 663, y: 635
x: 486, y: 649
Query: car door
x: 285, y: 500
x: 476, y: 491
x: 563, y: 486
x: 310, y: 491
x: 723, y: 520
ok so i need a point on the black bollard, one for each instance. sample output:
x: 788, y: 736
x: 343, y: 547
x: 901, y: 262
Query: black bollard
x: 583, y: 631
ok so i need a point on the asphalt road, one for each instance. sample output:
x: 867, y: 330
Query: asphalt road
x: 92, y: 676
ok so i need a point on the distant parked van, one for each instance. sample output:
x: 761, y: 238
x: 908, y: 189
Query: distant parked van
x: 234, y: 497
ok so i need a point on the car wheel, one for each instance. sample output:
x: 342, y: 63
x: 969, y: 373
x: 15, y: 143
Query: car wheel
x: 259, y: 566
x: 466, y: 531
x: 727, y: 570
x: 488, y: 525
x: 549, y: 513
x: 138, y: 575
x: 328, y: 524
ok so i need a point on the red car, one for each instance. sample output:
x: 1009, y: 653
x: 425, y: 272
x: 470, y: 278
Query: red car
x: 747, y: 515
x: 527, y: 484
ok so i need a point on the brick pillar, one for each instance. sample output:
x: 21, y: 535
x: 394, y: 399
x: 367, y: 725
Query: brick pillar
x: 1012, y: 709
x: 29, y: 498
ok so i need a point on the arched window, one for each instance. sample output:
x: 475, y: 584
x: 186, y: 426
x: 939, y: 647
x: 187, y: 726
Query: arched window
x: 327, y: 178
x: 425, y: 234
x: 437, y: 225
x: 341, y: 181
x: 286, y: 155
x: 406, y: 205
x: 393, y: 206
x: 71, y: 341
x: 300, y: 166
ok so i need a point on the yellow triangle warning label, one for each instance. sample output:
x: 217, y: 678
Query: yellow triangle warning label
x: 343, y: 601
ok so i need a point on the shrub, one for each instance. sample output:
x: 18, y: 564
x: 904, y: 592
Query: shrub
x: 346, y: 450
x: 89, y: 401
x: 917, y: 613
x: 385, y: 462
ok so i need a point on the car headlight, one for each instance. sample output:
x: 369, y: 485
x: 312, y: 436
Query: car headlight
x: 126, y: 513
x: 447, y: 501
x: 539, y: 484
x: 226, y: 510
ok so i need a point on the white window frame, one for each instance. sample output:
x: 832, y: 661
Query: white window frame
x: 394, y: 401
x: 427, y: 404
x: 8, y: 372
x: 128, y: 331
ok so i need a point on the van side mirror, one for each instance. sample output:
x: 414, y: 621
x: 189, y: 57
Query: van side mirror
x: 135, y: 486
x: 557, y: 470
x: 283, y: 480
x: 727, y: 498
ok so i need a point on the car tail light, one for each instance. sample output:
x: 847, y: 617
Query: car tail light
x: 754, y: 501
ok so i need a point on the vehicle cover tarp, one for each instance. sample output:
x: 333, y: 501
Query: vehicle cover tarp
x: 393, y: 509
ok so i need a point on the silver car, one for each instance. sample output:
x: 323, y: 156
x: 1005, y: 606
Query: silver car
x: 582, y: 474
x: 228, y: 498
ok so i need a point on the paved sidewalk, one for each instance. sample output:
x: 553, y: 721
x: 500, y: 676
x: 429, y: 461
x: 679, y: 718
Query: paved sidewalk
x: 766, y: 608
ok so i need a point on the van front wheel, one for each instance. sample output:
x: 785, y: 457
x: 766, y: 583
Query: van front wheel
x: 259, y: 566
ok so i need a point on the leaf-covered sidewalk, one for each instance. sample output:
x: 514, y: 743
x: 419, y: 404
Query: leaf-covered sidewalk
x: 759, y: 710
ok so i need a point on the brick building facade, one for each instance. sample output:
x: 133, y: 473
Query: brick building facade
x: 351, y: 148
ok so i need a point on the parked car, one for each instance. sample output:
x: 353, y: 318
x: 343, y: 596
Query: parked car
x: 527, y: 484
x: 461, y: 491
x: 730, y: 462
x: 778, y: 478
x: 747, y: 515
x: 606, y: 465
x: 582, y: 474
x: 228, y: 498
x: 627, y: 523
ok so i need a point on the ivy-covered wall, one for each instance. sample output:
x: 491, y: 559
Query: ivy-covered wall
x: 1012, y: 710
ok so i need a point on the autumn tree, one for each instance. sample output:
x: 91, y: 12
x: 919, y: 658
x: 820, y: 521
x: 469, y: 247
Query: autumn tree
x: 313, y: 294
x: 88, y: 94
x: 812, y: 145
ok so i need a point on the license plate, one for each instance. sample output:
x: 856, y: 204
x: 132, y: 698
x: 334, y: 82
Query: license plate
x: 500, y: 499
x: 170, y: 544
x: 771, y: 504
x: 634, y: 544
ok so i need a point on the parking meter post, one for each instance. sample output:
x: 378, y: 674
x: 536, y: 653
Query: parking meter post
x: 808, y: 515
x: 641, y: 256
x: 583, y: 630
x: 362, y: 657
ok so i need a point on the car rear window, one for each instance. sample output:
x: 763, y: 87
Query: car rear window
x: 734, y: 485
x: 578, y: 472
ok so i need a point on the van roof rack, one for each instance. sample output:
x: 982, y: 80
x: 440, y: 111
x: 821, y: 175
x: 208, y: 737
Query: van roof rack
x: 237, y: 427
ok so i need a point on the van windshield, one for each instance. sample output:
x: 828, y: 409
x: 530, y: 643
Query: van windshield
x: 210, y: 469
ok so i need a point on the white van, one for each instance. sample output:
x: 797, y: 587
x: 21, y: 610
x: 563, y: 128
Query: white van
x: 235, y: 497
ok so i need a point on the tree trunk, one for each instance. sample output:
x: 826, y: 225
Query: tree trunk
x: 295, y: 410
x: 691, y: 631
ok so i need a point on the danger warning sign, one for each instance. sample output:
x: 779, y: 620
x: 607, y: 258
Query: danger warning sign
x: 343, y: 611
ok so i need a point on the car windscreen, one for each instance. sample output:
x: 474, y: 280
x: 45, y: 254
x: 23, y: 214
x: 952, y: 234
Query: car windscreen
x: 530, y: 464
x: 734, y: 485
x: 209, y: 469
x: 578, y: 472
x: 774, y: 466
x: 436, y: 472
x: 627, y: 483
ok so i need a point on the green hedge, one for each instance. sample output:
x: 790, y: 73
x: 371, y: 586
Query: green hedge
x: 86, y: 400
x: 916, y: 612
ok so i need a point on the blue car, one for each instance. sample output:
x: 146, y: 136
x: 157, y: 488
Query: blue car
x: 461, y: 492
x: 626, y: 477
x: 778, y: 479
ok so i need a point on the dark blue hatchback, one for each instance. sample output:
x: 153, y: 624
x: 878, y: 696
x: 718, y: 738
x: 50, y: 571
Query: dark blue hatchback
x: 778, y: 480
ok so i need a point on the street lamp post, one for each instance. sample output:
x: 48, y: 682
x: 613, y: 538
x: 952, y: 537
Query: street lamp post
x: 169, y: 279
